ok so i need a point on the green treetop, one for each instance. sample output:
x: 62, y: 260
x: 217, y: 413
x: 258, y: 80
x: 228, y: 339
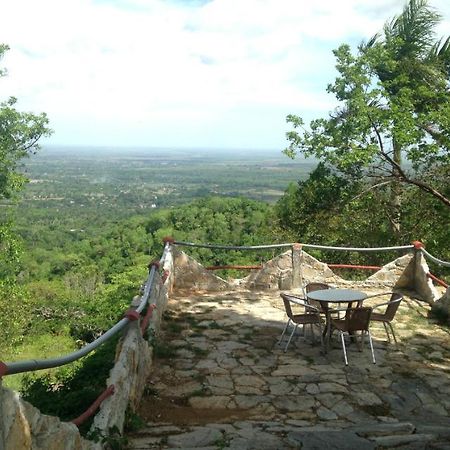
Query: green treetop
x: 392, y: 122
x: 19, y: 136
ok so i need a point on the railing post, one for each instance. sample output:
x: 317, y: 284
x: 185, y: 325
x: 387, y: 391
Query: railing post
x: 296, y: 265
x: 417, y: 258
x: 422, y: 284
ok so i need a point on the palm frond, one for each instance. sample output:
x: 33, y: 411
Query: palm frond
x: 413, y: 28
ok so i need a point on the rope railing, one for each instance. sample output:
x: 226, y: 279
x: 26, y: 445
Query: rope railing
x: 10, y: 368
x: 434, y: 259
x: 232, y: 247
x: 417, y: 245
x: 289, y: 245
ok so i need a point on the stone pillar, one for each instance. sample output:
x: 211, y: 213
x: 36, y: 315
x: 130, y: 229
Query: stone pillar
x: 441, y: 308
x: 296, y: 265
x: 423, y: 285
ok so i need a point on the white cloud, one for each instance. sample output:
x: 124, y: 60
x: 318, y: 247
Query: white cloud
x: 150, y: 71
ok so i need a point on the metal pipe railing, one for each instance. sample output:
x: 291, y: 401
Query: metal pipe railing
x: 434, y: 259
x: 39, y: 364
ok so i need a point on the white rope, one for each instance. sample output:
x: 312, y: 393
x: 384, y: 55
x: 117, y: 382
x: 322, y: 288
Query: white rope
x: 436, y: 260
x: 359, y: 249
x: 324, y: 247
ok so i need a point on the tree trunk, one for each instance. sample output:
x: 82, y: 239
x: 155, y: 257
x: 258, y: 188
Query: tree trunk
x: 395, y: 200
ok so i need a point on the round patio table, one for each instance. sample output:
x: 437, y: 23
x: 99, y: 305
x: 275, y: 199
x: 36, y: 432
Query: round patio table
x: 328, y: 296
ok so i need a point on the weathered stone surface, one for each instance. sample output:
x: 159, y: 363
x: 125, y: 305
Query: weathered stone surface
x: 24, y: 427
x: 250, y: 401
x: 294, y: 403
x: 402, y: 439
x: 200, y: 437
x: 278, y: 274
x: 128, y: 376
x: 212, y: 402
x: 192, y: 275
x: 251, y: 439
x: 326, y: 414
x: 441, y: 308
x: 293, y: 370
x: 330, y: 440
x: 384, y: 429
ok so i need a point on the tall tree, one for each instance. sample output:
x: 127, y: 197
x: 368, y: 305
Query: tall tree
x: 19, y: 135
x: 392, y: 123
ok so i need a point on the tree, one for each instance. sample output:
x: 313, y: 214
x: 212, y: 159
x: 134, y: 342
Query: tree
x: 19, y: 135
x: 394, y: 102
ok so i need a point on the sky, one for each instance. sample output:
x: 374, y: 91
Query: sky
x: 181, y: 73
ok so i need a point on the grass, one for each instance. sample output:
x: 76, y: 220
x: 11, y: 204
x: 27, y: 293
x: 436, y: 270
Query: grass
x: 37, y: 347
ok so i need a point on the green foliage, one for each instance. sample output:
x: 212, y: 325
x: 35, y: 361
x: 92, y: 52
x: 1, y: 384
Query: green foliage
x: 113, y: 440
x: 218, y: 220
x: 328, y: 209
x: 69, y: 390
x: 19, y: 135
x: 393, y: 102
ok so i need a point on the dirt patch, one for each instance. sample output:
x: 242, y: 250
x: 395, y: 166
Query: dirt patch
x: 173, y: 411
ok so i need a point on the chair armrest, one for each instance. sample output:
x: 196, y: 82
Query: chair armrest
x: 387, y: 303
x: 379, y: 295
x: 294, y: 299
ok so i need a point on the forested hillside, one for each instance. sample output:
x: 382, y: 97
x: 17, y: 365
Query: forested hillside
x: 76, y: 240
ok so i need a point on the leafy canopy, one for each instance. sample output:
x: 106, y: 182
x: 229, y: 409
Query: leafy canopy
x: 393, y: 103
x: 19, y: 136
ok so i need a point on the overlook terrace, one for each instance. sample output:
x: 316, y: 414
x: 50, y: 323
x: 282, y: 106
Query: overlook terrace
x: 219, y: 380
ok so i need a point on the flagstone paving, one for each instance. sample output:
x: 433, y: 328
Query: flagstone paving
x: 220, y: 380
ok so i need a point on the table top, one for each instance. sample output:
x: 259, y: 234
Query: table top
x: 337, y: 295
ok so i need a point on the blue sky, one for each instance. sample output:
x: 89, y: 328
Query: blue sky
x: 173, y: 73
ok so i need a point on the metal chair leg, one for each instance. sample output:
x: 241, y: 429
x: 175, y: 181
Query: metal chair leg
x: 290, y: 337
x: 343, y: 347
x: 313, y: 337
x: 371, y: 347
x: 393, y: 334
x: 284, y: 331
x: 387, y: 332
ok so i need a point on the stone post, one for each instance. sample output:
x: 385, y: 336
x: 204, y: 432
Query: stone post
x: 423, y: 285
x: 296, y: 265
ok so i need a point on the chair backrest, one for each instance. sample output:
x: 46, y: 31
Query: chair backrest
x: 393, y: 305
x: 287, y: 306
x: 310, y: 287
x: 357, y: 319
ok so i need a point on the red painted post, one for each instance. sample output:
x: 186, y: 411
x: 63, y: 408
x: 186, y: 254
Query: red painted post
x: 154, y: 263
x: 132, y: 315
x: 437, y: 280
x: 147, y: 317
x: 418, y: 245
x: 3, y: 369
x: 91, y: 410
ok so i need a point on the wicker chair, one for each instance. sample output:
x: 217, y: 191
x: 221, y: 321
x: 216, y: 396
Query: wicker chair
x: 356, y: 319
x: 310, y: 317
x: 310, y: 287
x: 387, y: 317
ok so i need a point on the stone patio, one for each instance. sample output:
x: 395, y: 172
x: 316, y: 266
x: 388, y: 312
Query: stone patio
x: 221, y: 381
